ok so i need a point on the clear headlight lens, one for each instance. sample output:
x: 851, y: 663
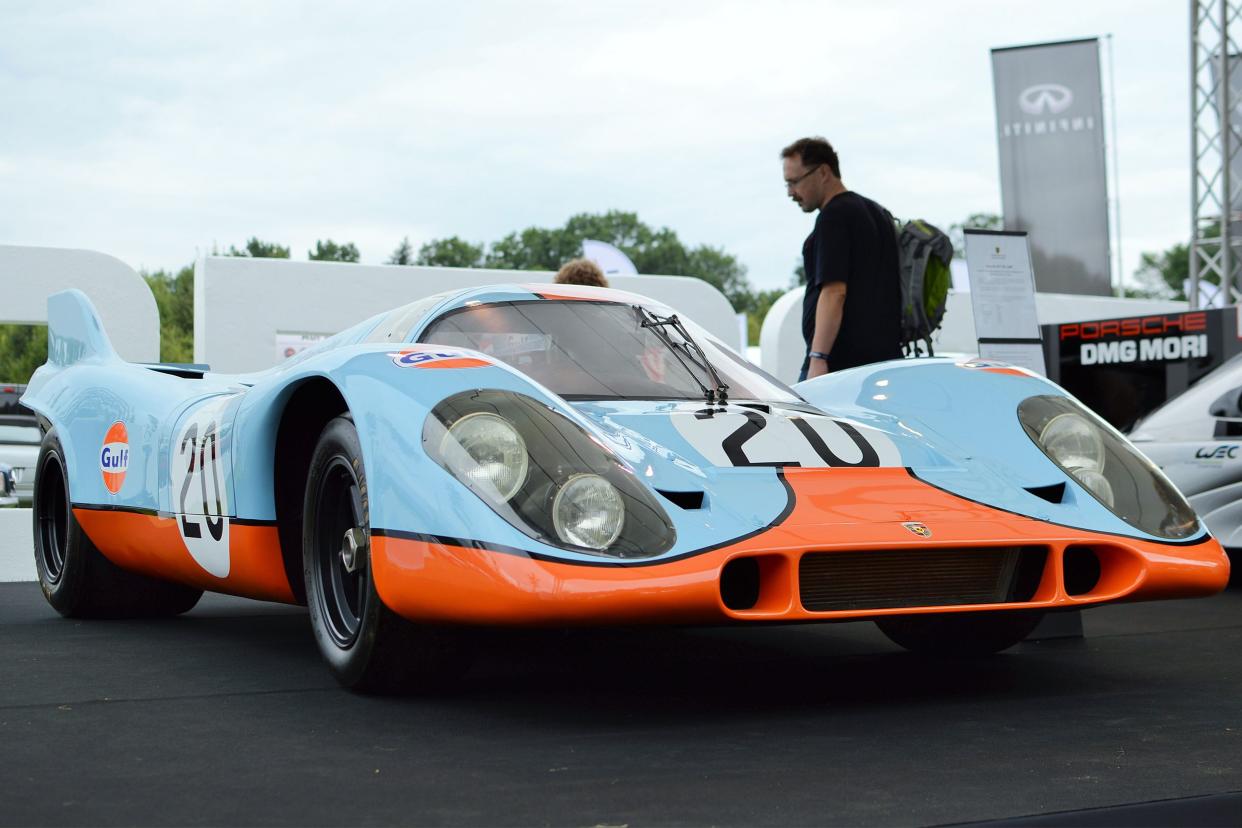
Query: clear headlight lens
x: 487, y: 450
x: 588, y: 511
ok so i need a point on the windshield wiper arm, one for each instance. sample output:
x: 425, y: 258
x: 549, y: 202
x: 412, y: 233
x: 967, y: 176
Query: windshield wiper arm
x: 719, y: 393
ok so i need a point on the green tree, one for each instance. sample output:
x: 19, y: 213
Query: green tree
x: 257, y: 249
x: 174, y: 297
x: 974, y: 221
x: 654, y: 251
x: 23, y: 348
x: 450, y: 252
x: 1162, y: 275
x: 760, y: 302
x: 403, y: 255
x: 327, y: 250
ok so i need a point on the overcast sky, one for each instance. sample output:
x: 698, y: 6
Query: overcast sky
x: 152, y: 131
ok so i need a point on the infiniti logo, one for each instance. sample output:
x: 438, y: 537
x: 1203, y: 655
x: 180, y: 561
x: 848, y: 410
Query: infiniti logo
x: 1045, y: 97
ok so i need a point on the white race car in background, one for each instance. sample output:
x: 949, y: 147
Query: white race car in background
x: 8, y: 486
x: 1196, y: 439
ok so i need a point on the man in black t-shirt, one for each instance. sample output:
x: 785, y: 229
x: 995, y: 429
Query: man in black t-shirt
x: 851, y: 312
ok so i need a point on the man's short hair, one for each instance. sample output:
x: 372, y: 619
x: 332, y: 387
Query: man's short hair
x: 813, y: 151
x: 581, y: 272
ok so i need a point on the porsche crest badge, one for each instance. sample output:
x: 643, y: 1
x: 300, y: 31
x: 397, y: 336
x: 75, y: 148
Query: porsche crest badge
x: 919, y: 529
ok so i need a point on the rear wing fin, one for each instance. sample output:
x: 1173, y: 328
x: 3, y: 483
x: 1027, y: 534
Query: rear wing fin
x: 74, y: 330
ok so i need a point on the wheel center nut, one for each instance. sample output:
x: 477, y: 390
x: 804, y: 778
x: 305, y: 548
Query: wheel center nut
x: 354, y: 543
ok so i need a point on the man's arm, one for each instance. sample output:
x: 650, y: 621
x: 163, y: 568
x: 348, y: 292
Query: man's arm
x: 828, y: 312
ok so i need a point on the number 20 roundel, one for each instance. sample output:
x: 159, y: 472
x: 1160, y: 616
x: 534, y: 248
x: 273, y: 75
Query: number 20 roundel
x: 200, y: 477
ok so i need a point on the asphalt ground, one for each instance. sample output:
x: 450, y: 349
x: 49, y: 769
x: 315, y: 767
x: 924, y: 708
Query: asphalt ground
x: 225, y: 716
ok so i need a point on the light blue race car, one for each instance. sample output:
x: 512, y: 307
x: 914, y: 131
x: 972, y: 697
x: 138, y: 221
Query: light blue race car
x: 554, y: 455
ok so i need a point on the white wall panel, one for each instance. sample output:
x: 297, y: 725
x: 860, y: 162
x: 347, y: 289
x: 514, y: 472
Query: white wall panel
x: 240, y: 304
x: 28, y: 275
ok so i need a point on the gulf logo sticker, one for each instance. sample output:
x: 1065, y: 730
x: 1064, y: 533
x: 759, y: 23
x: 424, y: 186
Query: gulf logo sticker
x: 114, y: 457
x: 412, y: 358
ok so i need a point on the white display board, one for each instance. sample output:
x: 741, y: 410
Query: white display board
x: 1002, y: 292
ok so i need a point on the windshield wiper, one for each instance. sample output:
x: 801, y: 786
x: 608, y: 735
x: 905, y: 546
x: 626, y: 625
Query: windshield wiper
x: 717, y: 395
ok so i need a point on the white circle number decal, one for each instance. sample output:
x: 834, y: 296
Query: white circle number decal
x: 200, y: 487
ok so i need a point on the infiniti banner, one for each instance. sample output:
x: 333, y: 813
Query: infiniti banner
x: 1050, y: 129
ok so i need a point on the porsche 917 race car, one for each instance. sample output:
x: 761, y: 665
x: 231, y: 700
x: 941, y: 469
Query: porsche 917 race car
x: 1196, y: 439
x: 559, y: 456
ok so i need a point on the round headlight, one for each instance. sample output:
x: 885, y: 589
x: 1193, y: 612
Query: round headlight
x: 1074, y: 443
x: 495, y: 454
x: 588, y: 511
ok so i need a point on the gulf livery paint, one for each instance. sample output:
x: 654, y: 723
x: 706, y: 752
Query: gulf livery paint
x: 351, y: 474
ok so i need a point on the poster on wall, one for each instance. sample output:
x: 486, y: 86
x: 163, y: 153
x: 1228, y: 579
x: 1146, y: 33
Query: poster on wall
x: 1002, y: 298
x: 1050, y: 138
x: 290, y: 343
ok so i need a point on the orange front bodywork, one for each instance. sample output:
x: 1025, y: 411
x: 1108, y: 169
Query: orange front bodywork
x: 441, y: 581
x: 437, y: 581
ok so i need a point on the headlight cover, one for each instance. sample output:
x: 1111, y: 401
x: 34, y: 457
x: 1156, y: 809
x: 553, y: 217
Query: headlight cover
x: 574, y: 493
x: 1106, y: 465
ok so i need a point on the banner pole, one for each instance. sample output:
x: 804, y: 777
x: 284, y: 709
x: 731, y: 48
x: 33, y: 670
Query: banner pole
x: 1112, y: 107
x: 1193, y: 298
x: 1226, y: 150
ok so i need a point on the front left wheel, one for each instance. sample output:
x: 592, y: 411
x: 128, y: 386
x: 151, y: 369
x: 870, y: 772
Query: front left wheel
x: 367, y: 646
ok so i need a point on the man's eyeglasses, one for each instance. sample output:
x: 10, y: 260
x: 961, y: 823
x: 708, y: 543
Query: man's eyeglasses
x: 789, y: 185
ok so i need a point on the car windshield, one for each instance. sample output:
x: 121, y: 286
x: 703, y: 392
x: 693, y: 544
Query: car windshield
x: 19, y: 434
x: 601, y: 350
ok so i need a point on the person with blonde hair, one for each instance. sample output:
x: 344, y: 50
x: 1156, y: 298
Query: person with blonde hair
x: 581, y: 272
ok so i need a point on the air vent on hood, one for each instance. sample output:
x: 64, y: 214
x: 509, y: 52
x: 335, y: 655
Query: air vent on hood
x: 1053, y: 494
x: 686, y: 500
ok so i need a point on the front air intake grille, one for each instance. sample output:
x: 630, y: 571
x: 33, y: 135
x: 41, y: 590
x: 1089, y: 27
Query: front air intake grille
x: 925, y: 577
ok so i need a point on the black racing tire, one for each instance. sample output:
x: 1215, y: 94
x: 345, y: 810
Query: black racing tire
x: 76, y: 578
x: 368, y: 648
x: 960, y: 634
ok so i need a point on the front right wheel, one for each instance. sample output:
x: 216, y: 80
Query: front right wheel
x: 367, y: 647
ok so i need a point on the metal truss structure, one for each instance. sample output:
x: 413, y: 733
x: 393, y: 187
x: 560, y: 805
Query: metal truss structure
x: 1215, y: 191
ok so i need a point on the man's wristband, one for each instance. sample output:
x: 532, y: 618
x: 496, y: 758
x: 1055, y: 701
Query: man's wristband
x: 818, y: 355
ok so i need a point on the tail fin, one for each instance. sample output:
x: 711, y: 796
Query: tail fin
x: 74, y: 331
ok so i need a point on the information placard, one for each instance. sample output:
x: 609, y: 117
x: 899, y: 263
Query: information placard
x: 1002, y: 297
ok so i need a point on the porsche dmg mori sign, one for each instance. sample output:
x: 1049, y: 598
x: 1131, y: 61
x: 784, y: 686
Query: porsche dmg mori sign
x: 1124, y: 368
